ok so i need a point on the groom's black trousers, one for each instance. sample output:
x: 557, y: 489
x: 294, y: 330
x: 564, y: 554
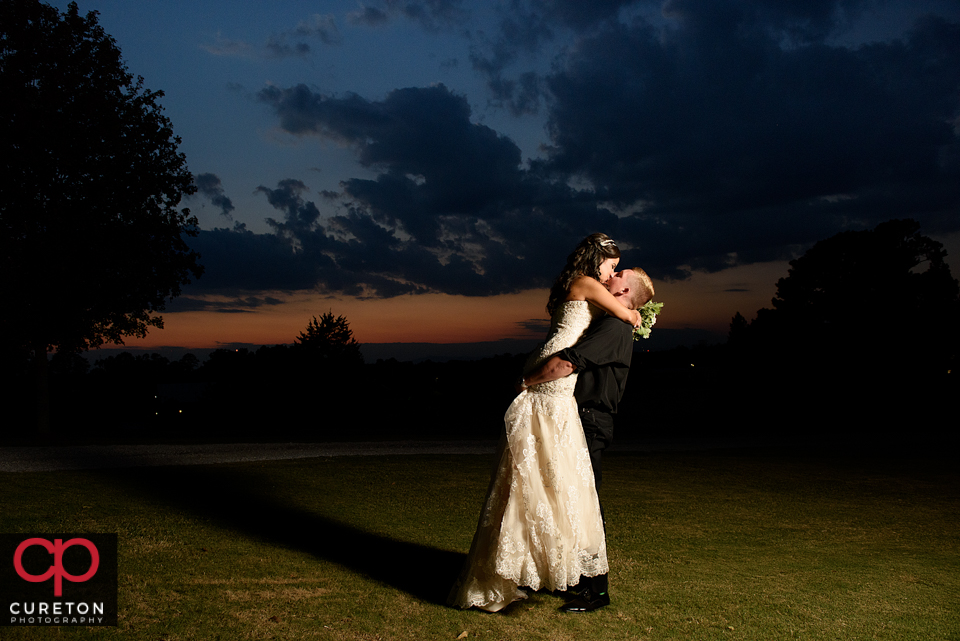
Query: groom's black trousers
x: 598, y: 430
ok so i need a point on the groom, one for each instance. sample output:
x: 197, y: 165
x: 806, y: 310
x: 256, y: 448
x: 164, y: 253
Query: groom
x: 602, y: 358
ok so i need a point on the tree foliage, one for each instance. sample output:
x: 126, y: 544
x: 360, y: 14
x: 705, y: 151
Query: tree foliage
x: 880, y: 296
x: 331, y: 340
x: 92, y: 237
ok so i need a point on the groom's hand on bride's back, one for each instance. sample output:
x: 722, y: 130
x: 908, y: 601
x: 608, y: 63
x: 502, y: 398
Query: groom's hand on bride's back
x: 553, y: 369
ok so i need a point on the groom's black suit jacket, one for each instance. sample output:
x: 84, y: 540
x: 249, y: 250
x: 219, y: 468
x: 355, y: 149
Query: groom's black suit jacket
x: 602, y: 358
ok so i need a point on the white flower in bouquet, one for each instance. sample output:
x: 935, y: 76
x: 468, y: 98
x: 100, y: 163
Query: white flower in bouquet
x: 648, y: 318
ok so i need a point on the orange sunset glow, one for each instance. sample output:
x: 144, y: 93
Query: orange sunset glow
x: 705, y: 301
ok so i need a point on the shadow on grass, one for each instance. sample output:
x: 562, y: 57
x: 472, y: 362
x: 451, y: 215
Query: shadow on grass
x: 236, y: 499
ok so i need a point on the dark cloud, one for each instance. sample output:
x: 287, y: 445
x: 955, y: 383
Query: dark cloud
x: 209, y: 185
x: 432, y: 15
x: 534, y: 326
x: 581, y: 16
x: 526, y: 28
x: 230, y: 48
x: 293, y: 42
x: 789, y: 22
x: 278, y: 46
x: 720, y: 133
x: 721, y: 139
x: 237, y: 259
x: 521, y: 30
x: 451, y: 208
x: 436, y: 165
x: 283, y: 44
x: 369, y: 16
x: 239, y: 305
x: 319, y: 26
x: 288, y: 198
x: 820, y: 119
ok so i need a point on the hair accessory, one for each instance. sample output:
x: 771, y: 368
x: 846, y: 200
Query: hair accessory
x: 608, y: 243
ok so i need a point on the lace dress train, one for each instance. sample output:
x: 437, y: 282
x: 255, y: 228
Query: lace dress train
x: 540, y: 526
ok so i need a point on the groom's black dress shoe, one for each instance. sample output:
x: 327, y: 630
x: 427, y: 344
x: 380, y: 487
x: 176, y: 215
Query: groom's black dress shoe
x: 586, y: 601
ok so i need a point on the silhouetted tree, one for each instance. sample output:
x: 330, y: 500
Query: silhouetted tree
x: 92, y: 240
x: 738, y: 329
x: 186, y: 366
x: 330, y: 339
x: 865, y: 299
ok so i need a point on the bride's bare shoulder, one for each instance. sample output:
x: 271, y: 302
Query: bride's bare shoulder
x: 582, y: 287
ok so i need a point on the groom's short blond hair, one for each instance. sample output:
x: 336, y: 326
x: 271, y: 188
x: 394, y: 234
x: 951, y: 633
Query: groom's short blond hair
x: 642, y: 290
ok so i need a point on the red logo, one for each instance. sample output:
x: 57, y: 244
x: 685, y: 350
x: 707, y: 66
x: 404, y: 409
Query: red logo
x: 56, y: 570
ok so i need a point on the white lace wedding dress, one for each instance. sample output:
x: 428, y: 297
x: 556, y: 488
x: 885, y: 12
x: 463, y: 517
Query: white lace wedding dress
x: 540, y: 526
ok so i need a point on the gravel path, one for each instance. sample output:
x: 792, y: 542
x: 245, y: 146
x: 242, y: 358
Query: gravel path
x: 80, y: 457
x: 43, y: 459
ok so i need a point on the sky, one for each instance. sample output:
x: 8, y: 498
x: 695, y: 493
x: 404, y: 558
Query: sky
x: 423, y: 167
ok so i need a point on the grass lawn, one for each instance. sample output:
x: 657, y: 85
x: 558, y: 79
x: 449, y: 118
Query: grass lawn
x: 726, y: 545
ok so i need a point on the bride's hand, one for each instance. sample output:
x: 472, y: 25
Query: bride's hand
x: 637, y: 319
x: 520, y: 385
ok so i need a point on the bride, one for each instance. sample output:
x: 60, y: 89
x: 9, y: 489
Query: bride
x: 540, y: 526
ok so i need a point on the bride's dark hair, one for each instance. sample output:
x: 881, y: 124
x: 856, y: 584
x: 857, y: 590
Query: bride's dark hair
x: 584, y: 261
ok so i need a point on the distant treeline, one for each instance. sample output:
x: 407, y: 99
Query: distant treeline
x: 282, y: 393
x: 272, y: 393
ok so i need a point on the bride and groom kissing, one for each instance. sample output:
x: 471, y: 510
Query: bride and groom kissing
x: 541, y: 526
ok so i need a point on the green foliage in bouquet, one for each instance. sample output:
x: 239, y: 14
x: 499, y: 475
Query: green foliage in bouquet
x: 648, y: 318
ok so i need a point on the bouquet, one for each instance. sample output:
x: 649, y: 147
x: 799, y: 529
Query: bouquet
x: 648, y: 317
